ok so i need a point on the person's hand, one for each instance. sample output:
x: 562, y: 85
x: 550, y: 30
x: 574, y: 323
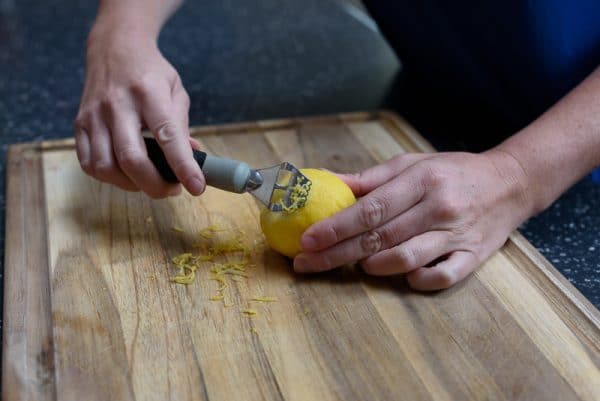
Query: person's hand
x: 129, y: 86
x: 434, y: 217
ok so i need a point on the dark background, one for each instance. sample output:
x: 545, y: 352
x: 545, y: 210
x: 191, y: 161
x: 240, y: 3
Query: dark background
x: 247, y: 60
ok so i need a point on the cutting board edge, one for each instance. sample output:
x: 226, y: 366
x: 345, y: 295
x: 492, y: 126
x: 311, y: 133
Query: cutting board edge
x: 399, y: 123
x: 558, y: 282
x: 21, y: 159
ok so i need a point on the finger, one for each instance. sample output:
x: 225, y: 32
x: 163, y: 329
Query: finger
x: 182, y: 99
x: 364, y: 182
x: 413, y: 222
x: 164, y: 118
x: 82, y: 142
x: 104, y: 165
x: 132, y: 156
x: 445, y: 274
x: 409, y: 255
x: 369, y: 212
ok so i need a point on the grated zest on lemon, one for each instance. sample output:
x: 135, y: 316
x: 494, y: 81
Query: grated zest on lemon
x: 298, y: 197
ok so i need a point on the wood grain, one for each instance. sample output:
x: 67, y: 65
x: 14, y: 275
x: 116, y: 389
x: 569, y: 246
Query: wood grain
x: 27, y: 337
x: 90, y: 312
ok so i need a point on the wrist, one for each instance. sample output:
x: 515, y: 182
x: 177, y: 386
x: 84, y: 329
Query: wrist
x: 123, y: 22
x: 515, y: 177
x: 105, y: 33
x: 110, y: 42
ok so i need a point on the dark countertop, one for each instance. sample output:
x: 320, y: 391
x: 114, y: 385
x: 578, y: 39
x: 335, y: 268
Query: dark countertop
x: 245, y: 61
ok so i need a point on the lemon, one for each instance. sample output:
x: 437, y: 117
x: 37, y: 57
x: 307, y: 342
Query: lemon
x: 328, y: 195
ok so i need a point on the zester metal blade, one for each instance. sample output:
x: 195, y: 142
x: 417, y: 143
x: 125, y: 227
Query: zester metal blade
x: 281, y: 187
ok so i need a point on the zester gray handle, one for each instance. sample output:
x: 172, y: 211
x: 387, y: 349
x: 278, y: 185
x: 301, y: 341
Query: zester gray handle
x: 227, y: 174
x: 230, y: 175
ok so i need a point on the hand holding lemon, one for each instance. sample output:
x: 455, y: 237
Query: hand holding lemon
x: 433, y: 217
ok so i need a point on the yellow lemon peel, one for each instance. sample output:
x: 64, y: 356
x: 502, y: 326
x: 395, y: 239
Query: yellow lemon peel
x: 249, y: 312
x: 187, y: 265
x: 215, y: 256
x: 209, y: 232
x: 264, y: 299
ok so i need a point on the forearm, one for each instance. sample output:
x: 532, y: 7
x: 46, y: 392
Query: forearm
x: 133, y: 17
x: 561, y: 146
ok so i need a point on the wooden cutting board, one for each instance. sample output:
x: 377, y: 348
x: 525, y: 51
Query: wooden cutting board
x: 90, y: 312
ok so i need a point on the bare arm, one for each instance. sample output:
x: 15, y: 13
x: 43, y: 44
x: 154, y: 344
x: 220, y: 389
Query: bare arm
x: 129, y: 85
x: 561, y: 146
x: 134, y: 16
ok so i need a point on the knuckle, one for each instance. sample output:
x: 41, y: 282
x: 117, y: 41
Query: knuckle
x: 476, y: 240
x: 103, y: 169
x: 446, y: 278
x: 433, y: 176
x: 372, y: 212
x: 143, y: 85
x: 370, y: 242
x: 86, y: 167
x: 113, y: 99
x: 405, y: 258
x: 448, y: 208
x: 165, y: 132
x: 130, y: 158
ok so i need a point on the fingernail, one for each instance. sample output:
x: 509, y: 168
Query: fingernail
x: 308, y: 243
x: 195, y: 186
x: 301, y: 264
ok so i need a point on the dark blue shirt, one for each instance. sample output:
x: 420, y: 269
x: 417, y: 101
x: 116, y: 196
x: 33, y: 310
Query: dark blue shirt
x: 477, y: 71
